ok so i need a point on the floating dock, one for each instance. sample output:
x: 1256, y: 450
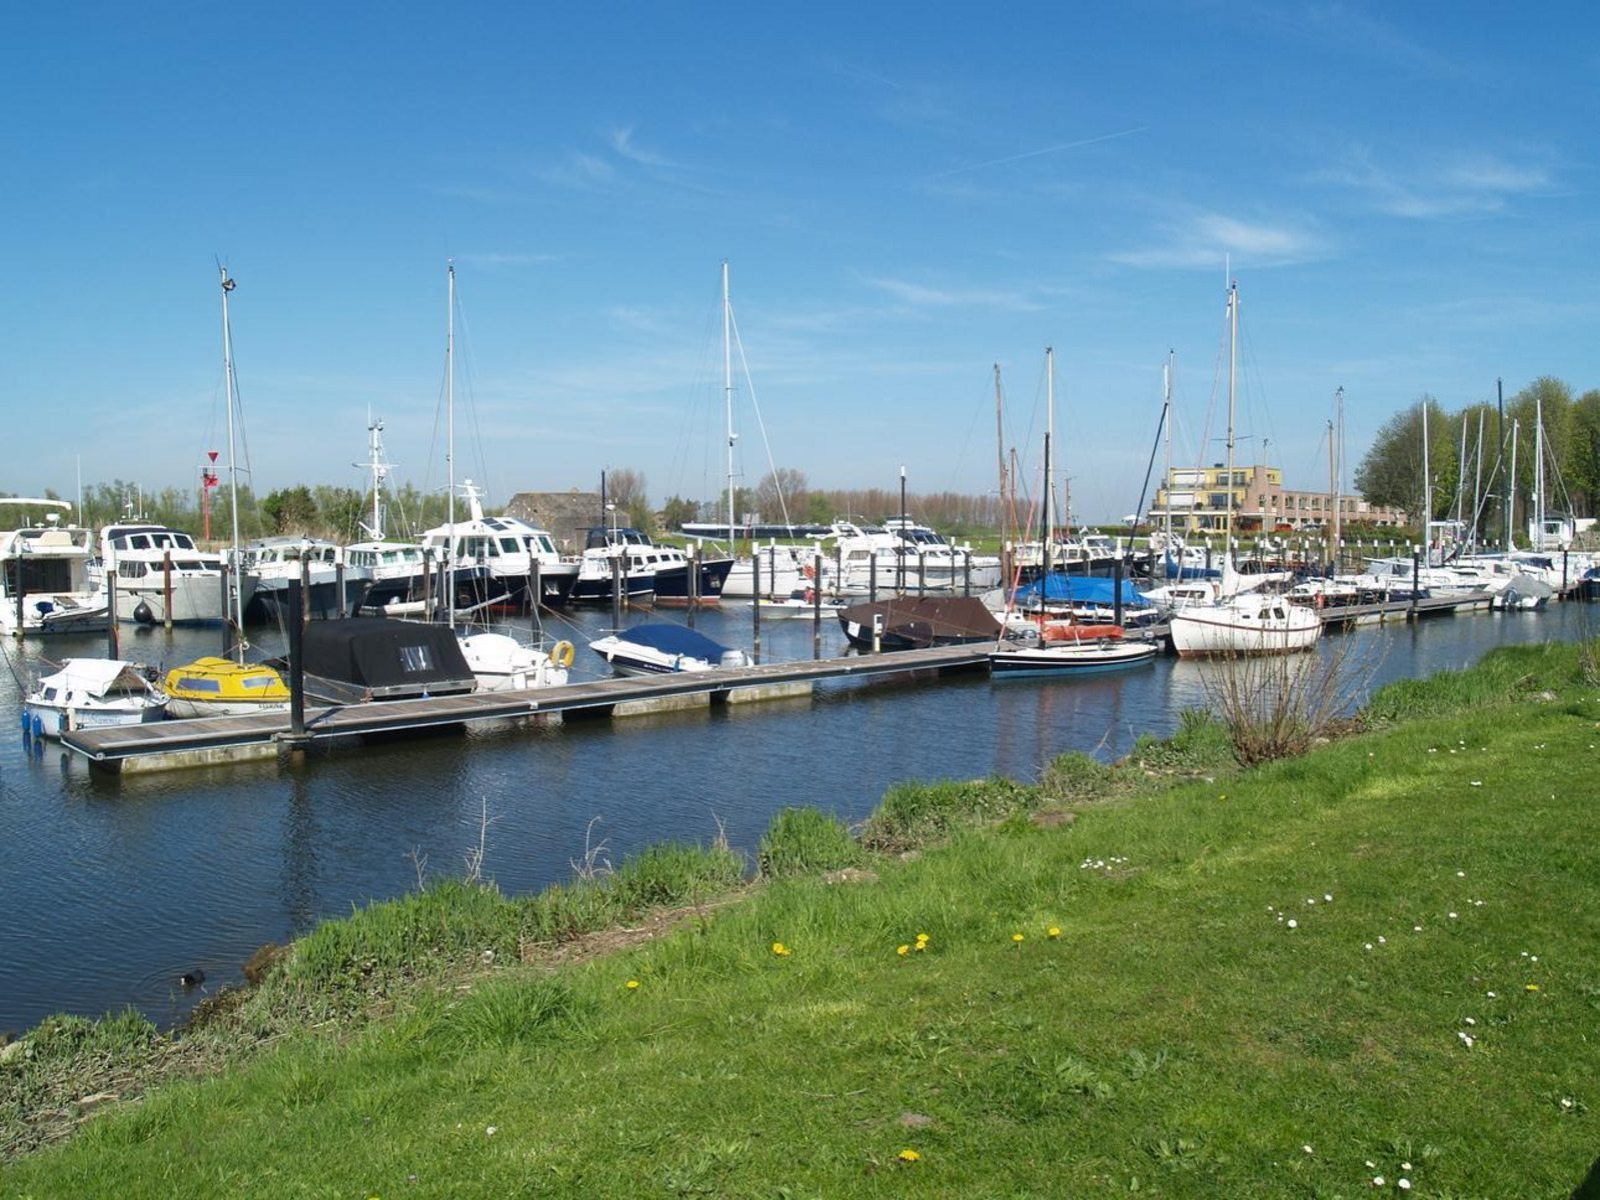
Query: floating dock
x: 164, y: 745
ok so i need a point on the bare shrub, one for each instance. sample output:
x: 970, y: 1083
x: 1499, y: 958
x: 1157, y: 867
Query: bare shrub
x: 1278, y: 705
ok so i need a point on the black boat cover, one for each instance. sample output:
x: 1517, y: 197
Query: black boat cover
x: 375, y: 657
x: 910, y: 622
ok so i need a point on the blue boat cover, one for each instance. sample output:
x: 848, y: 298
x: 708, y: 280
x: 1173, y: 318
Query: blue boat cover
x: 1081, y: 589
x: 675, y: 639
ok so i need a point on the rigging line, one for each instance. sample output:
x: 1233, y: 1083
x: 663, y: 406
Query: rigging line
x: 755, y: 404
x: 1150, y: 466
x: 465, y: 356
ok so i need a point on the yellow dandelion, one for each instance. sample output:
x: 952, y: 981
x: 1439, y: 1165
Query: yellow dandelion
x: 1532, y: 987
x: 921, y: 946
x: 902, y: 950
x: 1054, y: 932
x: 909, y: 1156
x: 633, y: 985
x: 922, y: 937
x: 1017, y: 937
x: 780, y: 949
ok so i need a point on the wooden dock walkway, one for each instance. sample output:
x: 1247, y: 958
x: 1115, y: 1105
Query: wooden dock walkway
x: 161, y: 745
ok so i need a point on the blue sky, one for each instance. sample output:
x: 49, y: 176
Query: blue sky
x: 907, y: 196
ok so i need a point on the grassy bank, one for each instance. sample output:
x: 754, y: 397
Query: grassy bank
x: 1371, y: 963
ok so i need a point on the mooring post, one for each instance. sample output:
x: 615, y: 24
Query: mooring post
x: 693, y: 581
x: 1416, y: 580
x: 166, y: 588
x: 305, y: 589
x: 816, y: 606
x: 297, y: 666
x: 1563, y: 574
x: 966, y: 572
x: 1116, y: 585
x: 872, y: 576
x: 616, y: 591
x: 427, y: 585
x: 111, y: 606
x: 338, y: 586
x: 22, y: 589
x: 755, y: 601
x: 535, y: 594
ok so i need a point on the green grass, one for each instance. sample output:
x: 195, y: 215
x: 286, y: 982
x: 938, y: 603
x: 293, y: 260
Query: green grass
x: 1178, y: 1037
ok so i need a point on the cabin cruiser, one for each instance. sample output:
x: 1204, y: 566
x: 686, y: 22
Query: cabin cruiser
x: 160, y: 575
x: 44, y: 577
x: 904, y: 556
x: 274, y: 562
x: 508, y: 550
x: 646, y: 568
x: 92, y: 693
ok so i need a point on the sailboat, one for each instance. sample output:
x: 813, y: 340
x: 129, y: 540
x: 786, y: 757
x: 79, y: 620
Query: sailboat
x: 1240, y: 622
x: 213, y: 686
x: 1064, y: 654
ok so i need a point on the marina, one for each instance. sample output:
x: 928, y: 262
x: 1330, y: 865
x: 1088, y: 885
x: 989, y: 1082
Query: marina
x: 119, y: 883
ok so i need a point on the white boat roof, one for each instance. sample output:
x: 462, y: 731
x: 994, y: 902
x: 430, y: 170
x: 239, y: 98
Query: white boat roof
x: 95, y: 675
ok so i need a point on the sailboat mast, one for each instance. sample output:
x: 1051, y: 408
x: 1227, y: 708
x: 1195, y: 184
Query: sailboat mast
x: 1048, y: 506
x: 727, y: 389
x: 450, y: 443
x: 1166, y: 435
x: 1427, y: 486
x: 1477, y: 481
x: 1000, y: 448
x: 1336, y: 452
x: 1536, y: 542
x: 1511, y: 488
x: 230, y: 386
x: 1233, y: 364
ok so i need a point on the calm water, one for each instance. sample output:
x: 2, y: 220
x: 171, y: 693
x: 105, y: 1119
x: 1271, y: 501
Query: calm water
x: 111, y: 888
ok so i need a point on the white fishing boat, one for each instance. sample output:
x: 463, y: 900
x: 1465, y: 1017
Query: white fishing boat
x: 802, y: 602
x: 44, y: 576
x: 92, y: 693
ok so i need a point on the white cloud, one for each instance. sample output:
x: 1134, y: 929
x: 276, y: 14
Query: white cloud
x: 1208, y: 239
x: 923, y: 296
x: 1467, y: 185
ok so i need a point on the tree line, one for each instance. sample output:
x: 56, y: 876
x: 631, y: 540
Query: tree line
x: 1470, y: 453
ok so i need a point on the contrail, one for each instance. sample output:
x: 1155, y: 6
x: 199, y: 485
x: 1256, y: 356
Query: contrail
x: 997, y: 162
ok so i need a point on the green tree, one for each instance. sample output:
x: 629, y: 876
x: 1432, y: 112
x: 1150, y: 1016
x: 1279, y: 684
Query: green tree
x: 1391, y: 472
x: 290, y: 509
x: 677, y: 511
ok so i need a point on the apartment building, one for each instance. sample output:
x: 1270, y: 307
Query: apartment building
x: 1197, y: 498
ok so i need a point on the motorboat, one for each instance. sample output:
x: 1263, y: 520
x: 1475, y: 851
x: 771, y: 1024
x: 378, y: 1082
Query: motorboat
x: 360, y: 659
x: 275, y: 562
x: 159, y: 574
x: 92, y: 693
x: 508, y: 551
x: 1244, y: 623
x: 221, y: 687
x: 669, y: 575
x: 904, y: 556
x: 500, y: 663
x: 912, y: 622
x: 44, y: 576
x: 801, y: 602
x: 659, y: 648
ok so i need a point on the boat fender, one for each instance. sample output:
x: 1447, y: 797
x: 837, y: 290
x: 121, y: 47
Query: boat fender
x: 1320, y: 600
x: 561, y: 654
x: 143, y: 615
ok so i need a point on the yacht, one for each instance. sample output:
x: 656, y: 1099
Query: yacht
x: 507, y: 549
x: 160, y: 575
x: 647, y: 568
x: 44, y: 576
